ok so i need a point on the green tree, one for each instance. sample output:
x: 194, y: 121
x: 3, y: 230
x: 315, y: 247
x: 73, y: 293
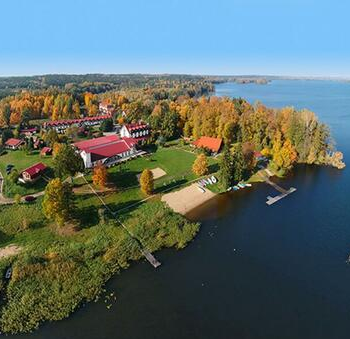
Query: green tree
x: 17, y: 199
x: 51, y: 137
x: 13, y: 176
x: 58, y: 203
x: 229, y: 133
x: 147, y: 181
x: 67, y: 162
x: 239, y: 165
x: 6, y: 134
x: 226, y: 168
x: 107, y: 125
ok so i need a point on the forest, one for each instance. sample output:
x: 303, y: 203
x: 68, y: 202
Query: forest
x: 175, y: 106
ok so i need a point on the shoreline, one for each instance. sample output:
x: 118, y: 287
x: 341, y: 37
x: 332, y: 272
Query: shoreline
x: 187, y: 199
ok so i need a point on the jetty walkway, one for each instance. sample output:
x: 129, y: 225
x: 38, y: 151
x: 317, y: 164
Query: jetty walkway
x: 145, y: 252
x: 265, y: 175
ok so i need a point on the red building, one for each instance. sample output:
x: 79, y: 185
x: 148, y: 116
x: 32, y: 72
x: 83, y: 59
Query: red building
x: 46, y: 151
x: 33, y: 173
x: 108, y: 150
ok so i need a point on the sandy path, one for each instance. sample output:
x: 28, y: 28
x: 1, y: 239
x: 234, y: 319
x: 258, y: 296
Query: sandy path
x: 9, y: 250
x: 186, y: 199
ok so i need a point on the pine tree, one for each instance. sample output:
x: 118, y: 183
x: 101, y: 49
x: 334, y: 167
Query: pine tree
x: 226, y: 168
x: 147, y: 182
x: 239, y: 165
x: 200, y: 165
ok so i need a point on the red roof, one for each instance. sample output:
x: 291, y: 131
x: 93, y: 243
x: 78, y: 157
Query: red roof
x: 105, y: 147
x: 137, y: 126
x: 213, y: 144
x: 35, y: 170
x: 46, y: 150
x: 28, y: 130
x: 77, y: 121
x: 13, y: 142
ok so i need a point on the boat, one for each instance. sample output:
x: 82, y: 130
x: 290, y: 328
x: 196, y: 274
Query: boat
x: 202, y: 183
x: 206, y: 181
x: 201, y: 189
x: 229, y: 189
x: 248, y: 185
x: 241, y: 185
x: 8, y: 273
x: 235, y: 188
x: 210, y: 182
x: 214, y: 180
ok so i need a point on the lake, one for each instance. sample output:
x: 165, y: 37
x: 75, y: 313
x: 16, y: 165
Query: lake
x: 254, y: 271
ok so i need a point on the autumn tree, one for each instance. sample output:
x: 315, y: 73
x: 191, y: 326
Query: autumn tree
x: 147, y: 181
x: 283, y: 152
x: 58, y: 203
x: 200, y: 165
x: 67, y: 162
x: 226, y: 168
x: 99, y: 177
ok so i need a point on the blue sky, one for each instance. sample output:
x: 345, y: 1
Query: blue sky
x: 284, y: 37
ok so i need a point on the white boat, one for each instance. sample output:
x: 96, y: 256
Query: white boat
x: 229, y: 189
x: 214, y: 180
x: 202, y: 183
x: 248, y: 185
x: 210, y: 182
x: 201, y: 189
x: 241, y: 185
x: 235, y: 188
x: 206, y: 182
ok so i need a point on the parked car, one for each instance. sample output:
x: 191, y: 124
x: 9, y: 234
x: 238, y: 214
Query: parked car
x: 8, y: 273
x: 29, y: 198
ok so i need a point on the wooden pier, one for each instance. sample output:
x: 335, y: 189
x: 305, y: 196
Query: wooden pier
x: 151, y: 259
x: 145, y: 252
x: 271, y: 200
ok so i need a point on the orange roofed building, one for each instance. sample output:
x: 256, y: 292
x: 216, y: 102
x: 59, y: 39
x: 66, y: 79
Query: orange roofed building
x: 212, y: 144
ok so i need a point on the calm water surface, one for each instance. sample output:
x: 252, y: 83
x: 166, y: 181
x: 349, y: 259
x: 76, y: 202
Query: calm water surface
x: 253, y: 271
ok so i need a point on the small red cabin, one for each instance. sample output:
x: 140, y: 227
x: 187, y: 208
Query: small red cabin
x: 34, y: 172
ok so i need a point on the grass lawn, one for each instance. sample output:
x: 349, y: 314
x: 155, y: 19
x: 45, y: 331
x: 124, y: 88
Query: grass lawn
x: 175, y: 162
x: 21, y: 160
x: 55, y: 273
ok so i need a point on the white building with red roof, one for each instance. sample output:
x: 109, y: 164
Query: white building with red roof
x: 61, y: 125
x: 13, y: 143
x: 138, y: 131
x: 108, y: 150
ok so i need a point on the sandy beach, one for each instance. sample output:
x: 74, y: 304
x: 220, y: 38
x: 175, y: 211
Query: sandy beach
x: 186, y: 199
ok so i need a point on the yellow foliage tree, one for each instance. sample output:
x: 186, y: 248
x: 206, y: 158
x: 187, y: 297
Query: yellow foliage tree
x: 56, y: 148
x: 200, y: 165
x: 58, y: 201
x: 147, y: 182
x: 284, y: 154
x: 99, y: 178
